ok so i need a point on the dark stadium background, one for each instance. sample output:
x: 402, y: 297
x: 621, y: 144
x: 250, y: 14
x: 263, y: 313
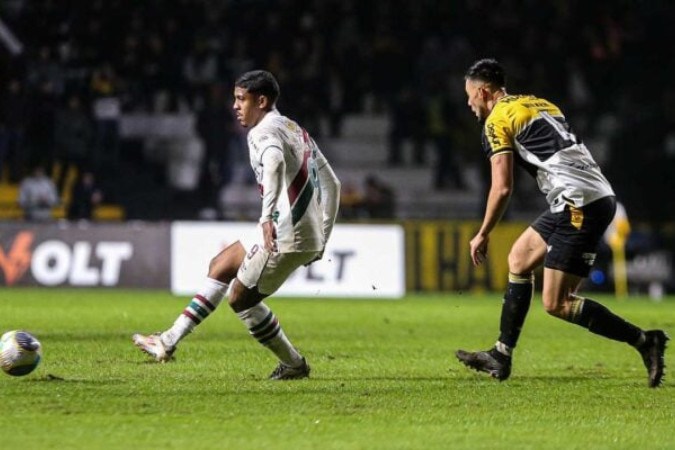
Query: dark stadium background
x: 364, y: 75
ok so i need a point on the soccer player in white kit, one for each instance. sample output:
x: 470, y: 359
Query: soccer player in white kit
x: 300, y: 197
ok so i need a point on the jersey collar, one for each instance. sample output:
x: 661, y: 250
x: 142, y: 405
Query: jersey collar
x: 269, y: 116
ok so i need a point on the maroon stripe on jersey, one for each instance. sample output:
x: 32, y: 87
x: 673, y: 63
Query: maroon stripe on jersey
x: 300, y: 180
x: 205, y: 302
x: 305, y: 136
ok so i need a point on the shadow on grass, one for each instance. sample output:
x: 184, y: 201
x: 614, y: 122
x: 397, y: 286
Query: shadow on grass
x: 51, y: 378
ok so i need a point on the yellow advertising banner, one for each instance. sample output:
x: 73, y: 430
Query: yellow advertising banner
x: 437, y: 256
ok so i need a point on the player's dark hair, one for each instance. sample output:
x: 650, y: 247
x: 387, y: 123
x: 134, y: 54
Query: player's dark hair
x: 260, y: 82
x: 487, y: 70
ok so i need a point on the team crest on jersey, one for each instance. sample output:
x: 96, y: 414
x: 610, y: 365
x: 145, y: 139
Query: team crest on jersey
x: 291, y: 125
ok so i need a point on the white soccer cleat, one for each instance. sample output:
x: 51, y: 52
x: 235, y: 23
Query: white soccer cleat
x: 153, y: 346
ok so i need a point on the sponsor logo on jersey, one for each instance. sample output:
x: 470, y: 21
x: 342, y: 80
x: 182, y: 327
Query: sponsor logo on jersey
x: 492, y: 135
x: 589, y: 258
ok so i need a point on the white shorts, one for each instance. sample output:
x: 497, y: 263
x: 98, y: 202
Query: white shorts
x: 268, y: 270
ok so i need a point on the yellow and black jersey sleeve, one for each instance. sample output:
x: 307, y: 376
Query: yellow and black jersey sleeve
x: 534, y: 124
x: 497, y: 135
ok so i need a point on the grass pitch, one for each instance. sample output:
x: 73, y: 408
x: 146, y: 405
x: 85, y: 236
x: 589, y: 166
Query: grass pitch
x: 384, y: 377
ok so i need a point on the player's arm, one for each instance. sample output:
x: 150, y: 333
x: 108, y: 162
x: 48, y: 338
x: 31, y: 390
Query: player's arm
x: 499, y: 195
x: 328, y: 185
x: 330, y: 196
x: 498, y: 144
x: 274, y: 168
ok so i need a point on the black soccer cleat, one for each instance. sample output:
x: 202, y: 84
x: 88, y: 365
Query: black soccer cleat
x: 498, y: 366
x: 652, y: 352
x: 284, y: 372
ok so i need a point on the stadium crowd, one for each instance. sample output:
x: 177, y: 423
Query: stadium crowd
x: 84, y: 63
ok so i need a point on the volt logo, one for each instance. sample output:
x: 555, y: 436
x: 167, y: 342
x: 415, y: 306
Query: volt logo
x: 16, y: 260
x: 55, y: 262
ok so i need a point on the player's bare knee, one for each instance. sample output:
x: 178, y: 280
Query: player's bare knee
x: 517, y: 264
x: 221, y: 270
x: 213, y: 265
x: 224, y: 265
x: 242, y: 298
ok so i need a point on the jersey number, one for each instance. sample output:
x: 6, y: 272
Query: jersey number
x: 568, y: 139
x: 312, y: 170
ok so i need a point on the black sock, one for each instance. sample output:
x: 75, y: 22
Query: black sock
x: 499, y: 356
x: 514, y: 308
x: 600, y: 320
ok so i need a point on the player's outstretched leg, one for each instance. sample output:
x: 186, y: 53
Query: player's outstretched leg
x: 497, y: 361
x: 493, y: 362
x: 600, y: 320
x: 652, y: 352
x: 161, y: 346
x: 264, y: 326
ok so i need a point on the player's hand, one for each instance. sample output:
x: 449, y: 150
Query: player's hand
x: 270, y: 236
x: 479, y: 248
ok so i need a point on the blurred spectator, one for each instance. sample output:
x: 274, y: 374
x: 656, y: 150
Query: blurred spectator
x: 107, y: 110
x: 350, y: 201
x: 378, y: 199
x: 216, y: 127
x: 200, y: 71
x: 13, y: 117
x: 74, y: 134
x: 340, y: 56
x: 336, y: 102
x: 40, y: 127
x: 375, y: 201
x: 45, y: 70
x: 154, y: 77
x: 407, y: 124
x: 38, y: 195
x: 441, y: 115
x: 84, y: 197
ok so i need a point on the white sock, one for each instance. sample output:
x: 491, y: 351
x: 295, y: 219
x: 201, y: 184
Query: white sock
x: 503, y: 348
x: 201, y: 306
x: 263, y: 325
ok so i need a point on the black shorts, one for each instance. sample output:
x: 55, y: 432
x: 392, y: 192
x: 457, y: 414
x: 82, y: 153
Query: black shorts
x: 572, y: 235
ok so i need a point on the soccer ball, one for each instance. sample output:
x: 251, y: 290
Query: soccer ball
x: 20, y: 353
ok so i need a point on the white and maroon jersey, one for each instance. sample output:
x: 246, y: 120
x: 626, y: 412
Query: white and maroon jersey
x: 298, y: 213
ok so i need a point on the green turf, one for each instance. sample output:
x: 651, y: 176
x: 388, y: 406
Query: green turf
x: 384, y: 377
